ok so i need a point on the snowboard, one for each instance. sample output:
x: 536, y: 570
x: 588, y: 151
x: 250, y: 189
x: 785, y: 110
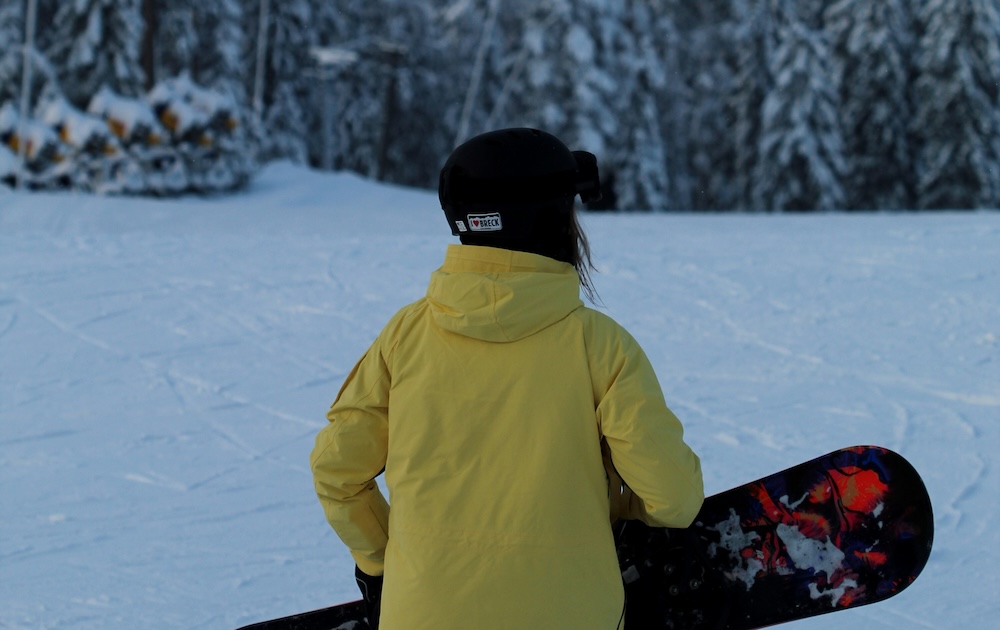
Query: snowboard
x: 849, y: 528
x: 349, y: 616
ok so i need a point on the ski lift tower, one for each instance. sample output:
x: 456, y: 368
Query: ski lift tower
x: 329, y: 61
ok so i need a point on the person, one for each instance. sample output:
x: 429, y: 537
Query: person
x: 492, y: 405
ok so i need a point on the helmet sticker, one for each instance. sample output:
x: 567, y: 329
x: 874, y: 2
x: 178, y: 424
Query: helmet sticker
x: 485, y: 222
x: 461, y: 226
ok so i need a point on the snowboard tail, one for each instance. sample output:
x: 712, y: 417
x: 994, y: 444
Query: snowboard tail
x: 847, y: 529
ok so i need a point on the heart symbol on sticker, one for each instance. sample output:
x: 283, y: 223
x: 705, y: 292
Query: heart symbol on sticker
x: 475, y: 222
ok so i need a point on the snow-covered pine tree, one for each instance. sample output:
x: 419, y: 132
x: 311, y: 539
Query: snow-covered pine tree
x: 546, y: 65
x: 801, y: 161
x: 501, y: 88
x: 515, y: 62
x: 710, y: 118
x: 646, y: 75
x: 12, y: 33
x: 810, y: 12
x: 218, y: 61
x: 11, y: 26
x: 411, y: 80
x: 285, y: 121
x: 754, y: 39
x: 592, y: 74
x: 353, y: 105
x: 957, y: 117
x: 95, y: 43
x: 45, y: 19
x: 483, y: 60
x: 871, y: 72
x: 219, y: 66
x: 11, y: 45
x: 673, y: 96
x: 175, y: 38
x: 544, y: 87
x: 477, y: 32
x: 387, y: 106
x: 204, y: 40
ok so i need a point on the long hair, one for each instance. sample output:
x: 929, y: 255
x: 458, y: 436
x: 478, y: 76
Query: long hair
x: 582, y: 260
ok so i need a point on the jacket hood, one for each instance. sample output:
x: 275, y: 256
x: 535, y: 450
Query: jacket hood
x: 501, y: 295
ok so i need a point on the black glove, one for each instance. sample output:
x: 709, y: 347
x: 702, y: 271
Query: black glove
x: 371, y: 593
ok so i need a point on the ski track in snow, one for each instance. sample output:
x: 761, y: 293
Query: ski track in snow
x: 172, y: 378
x: 164, y: 367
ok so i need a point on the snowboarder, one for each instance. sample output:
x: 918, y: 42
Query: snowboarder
x: 488, y: 404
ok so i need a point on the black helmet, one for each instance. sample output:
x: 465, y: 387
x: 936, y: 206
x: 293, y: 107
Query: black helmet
x: 514, y: 188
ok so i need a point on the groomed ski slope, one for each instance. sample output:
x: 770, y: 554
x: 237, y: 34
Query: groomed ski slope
x: 165, y: 365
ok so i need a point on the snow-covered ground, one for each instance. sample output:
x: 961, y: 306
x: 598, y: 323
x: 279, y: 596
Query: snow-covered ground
x: 165, y: 365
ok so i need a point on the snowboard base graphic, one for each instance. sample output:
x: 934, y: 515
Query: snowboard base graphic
x: 850, y: 528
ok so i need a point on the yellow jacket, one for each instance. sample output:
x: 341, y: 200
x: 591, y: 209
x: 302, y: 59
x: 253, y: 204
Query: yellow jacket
x: 485, y: 403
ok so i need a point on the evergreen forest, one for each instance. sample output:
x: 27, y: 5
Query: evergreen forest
x: 738, y: 105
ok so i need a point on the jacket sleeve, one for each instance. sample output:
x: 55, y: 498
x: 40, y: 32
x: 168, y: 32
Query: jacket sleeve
x: 645, y: 438
x: 349, y: 453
